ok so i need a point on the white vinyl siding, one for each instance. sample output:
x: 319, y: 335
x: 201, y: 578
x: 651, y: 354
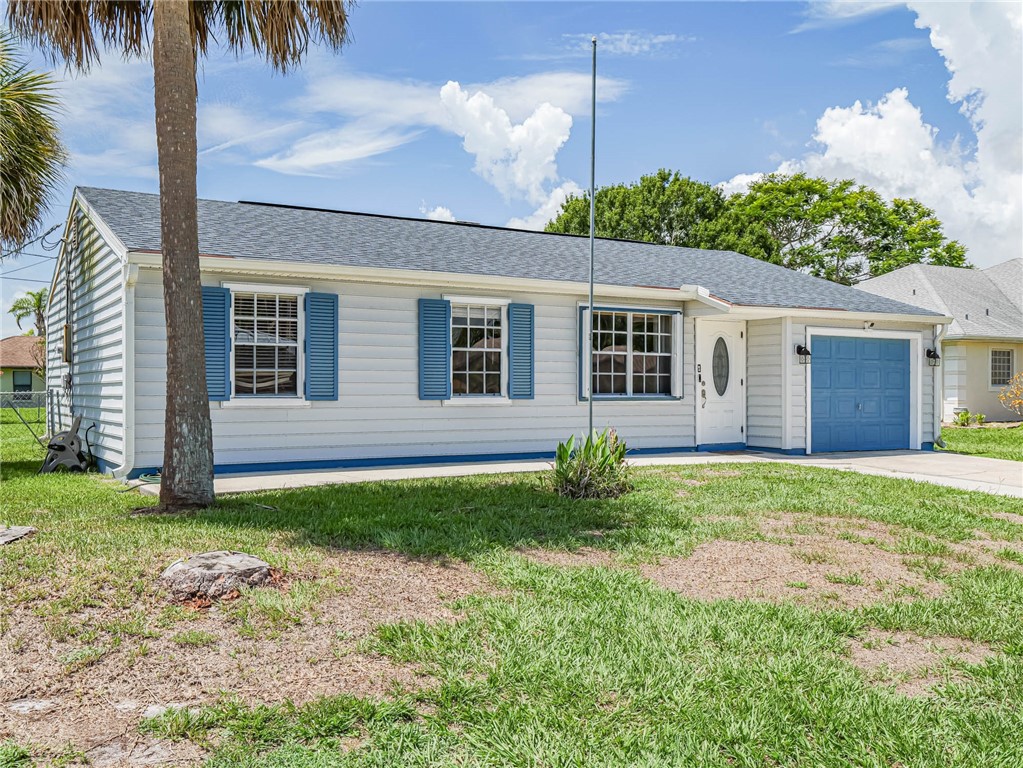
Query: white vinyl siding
x: 379, y: 413
x: 765, y: 388
x: 97, y: 349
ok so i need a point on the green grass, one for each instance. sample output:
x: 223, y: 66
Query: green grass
x: 559, y: 666
x: 996, y: 442
x: 195, y: 638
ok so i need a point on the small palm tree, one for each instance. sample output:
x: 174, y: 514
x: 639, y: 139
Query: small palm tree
x: 280, y: 32
x: 31, y: 154
x: 32, y: 304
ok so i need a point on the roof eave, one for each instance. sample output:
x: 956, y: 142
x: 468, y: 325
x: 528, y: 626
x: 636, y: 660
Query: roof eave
x: 229, y: 265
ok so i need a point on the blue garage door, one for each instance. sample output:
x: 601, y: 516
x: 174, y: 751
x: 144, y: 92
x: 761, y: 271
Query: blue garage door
x: 860, y: 394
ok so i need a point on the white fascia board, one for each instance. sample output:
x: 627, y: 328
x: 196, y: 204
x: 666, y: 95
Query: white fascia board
x: 764, y: 313
x: 115, y: 243
x: 449, y: 280
x: 991, y: 339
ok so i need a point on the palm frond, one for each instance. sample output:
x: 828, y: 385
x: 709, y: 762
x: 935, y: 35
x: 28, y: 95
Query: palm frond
x: 31, y: 153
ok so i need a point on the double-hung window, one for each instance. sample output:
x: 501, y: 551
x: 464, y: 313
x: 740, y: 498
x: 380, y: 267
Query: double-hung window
x: 635, y: 353
x: 266, y: 344
x: 477, y: 349
x: 1001, y: 367
x: 270, y: 342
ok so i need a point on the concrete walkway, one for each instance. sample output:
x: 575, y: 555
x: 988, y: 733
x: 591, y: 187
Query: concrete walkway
x: 972, y: 473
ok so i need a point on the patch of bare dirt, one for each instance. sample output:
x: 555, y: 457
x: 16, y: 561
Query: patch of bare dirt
x: 91, y: 706
x: 913, y: 663
x: 1012, y: 517
x: 820, y: 561
x: 584, y: 557
x: 836, y: 573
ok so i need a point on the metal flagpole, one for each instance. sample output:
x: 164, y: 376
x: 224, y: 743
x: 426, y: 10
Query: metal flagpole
x: 593, y: 155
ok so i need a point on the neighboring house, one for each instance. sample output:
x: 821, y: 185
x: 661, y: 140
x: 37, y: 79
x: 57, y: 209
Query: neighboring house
x: 983, y: 348
x: 338, y: 339
x: 20, y: 357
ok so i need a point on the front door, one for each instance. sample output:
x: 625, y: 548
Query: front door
x: 720, y: 383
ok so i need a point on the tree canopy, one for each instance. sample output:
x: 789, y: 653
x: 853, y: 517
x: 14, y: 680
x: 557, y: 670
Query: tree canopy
x: 31, y: 153
x: 833, y: 229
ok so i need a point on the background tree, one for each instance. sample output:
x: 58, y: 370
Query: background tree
x: 832, y: 229
x: 31, y: 154
x: 32, y: 304
x: 841, y: 231
x: 280, y: 32
x: 663, y: 207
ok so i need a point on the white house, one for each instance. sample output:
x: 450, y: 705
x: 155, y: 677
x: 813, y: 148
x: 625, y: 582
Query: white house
x: 983, y: 348
x: 340, y: 339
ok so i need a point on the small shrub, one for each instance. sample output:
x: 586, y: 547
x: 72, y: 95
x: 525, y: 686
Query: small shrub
x: 594, y: 470
x: 979, y: 418
x: 962, y: 419
x: 1011, y: 395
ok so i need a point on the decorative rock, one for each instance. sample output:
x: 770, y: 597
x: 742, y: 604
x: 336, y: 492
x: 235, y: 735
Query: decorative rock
x: 30, y: 706
x: 10, y: 534
x: 214, y: 574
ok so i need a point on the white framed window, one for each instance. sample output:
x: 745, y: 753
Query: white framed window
x: 1001, y: 367
x: 635, y: 353
x: 266, y: 357
x: 478, y: 348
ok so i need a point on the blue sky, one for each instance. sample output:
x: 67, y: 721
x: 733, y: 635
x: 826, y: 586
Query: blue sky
x: 480, y: 111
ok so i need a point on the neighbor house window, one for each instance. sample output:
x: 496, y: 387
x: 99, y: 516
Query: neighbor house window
x: 266, y: 331
x: 477, y: 349
x: 1001, y: 367
x: 22, y: 381
x: 632, y: 353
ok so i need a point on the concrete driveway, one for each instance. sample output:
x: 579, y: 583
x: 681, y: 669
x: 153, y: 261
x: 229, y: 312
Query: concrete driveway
x: 972, y: 473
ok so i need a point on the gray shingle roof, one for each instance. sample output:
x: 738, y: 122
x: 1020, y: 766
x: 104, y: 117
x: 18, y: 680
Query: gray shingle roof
x: 984, y: 303
x: 289, y: 234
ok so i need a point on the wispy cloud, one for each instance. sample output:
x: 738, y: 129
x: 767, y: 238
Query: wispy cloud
x: 820, y: 14
x: 886, y: 53
x: 634, y: 43
x: 327, y: 152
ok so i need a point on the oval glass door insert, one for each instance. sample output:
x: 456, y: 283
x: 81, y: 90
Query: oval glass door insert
x: 719, y: 366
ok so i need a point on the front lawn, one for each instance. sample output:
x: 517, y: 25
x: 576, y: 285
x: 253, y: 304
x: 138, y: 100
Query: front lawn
x: 720, y: 615
x: 996, y: 442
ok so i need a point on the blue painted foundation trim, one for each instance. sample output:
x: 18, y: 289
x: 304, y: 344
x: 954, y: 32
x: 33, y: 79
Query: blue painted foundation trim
x: 103, y: 466
x: 782, y: 451
x: 398, y: 461
x: 927, y: 447
x: 722, y: 447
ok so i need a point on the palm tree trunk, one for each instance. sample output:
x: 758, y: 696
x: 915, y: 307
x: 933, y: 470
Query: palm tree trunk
x: 187, y: 479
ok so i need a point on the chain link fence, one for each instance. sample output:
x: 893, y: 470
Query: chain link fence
x: 30, y: 405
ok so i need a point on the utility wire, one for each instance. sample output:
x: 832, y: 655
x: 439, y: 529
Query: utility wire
x: 19, y: 269
x: 21, y: 247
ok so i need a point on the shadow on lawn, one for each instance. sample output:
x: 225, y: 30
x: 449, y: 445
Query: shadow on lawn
x: 457, y: 517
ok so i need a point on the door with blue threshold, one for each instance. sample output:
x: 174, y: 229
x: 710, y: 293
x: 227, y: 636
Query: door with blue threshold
x: 859, y: 394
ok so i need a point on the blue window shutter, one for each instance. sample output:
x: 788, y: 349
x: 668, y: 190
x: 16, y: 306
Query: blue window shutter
x: 434, y: 349
x: 216, y: 328
x: 321, y: 321
x: 520, y: 351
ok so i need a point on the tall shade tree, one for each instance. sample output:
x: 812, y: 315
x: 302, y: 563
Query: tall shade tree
x: 31, y: 154
x: 33, y: 305
x: 181, y: 32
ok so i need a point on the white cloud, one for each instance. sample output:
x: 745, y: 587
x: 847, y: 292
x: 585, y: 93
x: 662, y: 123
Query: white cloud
x: 832, y: 13
x: 886, y: 53
x: 548, y: 209
x: 325, y: 153
x: 437, y: 213
x: 976, y: 191
x: 517, y: 159
x: 628, y: 43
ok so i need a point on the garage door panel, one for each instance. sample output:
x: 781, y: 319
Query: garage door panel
x: 844, y: 349
x: 844, y: 377
x: 842, y: 406
x: 870, y: 378
x: 859, y: 393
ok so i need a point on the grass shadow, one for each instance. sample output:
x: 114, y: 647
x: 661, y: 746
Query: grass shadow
x: 451, y: 517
